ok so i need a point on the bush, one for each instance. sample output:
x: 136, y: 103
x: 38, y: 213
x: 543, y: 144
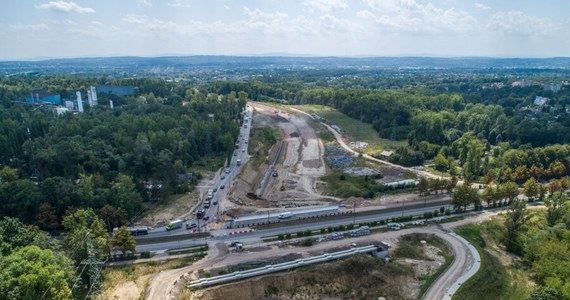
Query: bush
x: 280, y: 237
x: 308, y: 232
x: 323, y: 230
x: 300, y: 234
x: 288, y: 235
x: 447, y: 212
x: 436, y: 213
x: 145, y: 254
x: 330, y: 229
x: 350, y: 226
x: 307, y: 242
x: 341, y: 228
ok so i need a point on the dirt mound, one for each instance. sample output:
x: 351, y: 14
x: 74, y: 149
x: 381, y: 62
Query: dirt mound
x: 279, y: 119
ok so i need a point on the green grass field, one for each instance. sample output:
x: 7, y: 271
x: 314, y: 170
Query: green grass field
x: 355, y: 130
x: 494, y: 280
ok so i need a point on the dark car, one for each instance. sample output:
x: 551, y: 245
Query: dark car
x: 206, y: 218
x: 274, y: 174
x: 222, y: 187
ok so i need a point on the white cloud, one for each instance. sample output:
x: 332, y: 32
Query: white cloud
x: 413, y: 17
x: 65, y: 6
x: 145, y: 2
x: 326, y: 5
x: 337, y: 24
x: 135, y: 19
x: 517, y: 23
x: 29, y: 27
x: 480, y: 6
x: 96, y: 23
x: 179, y: 3
x: 256, y: 23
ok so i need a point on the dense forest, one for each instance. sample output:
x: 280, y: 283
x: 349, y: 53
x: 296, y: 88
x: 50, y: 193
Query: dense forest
x: 111, y: 160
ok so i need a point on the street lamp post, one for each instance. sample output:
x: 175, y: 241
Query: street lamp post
x: 353, y: 213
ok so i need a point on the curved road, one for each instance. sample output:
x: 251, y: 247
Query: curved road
x: 463, y: 266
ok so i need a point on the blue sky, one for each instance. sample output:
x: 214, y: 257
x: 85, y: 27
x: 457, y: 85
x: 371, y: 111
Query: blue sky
x: 505, y: 28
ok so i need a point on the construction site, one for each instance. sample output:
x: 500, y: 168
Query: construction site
x: 289, y: 176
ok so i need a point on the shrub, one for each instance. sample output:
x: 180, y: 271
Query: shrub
x: 307, y: 242
x: 280, y: 237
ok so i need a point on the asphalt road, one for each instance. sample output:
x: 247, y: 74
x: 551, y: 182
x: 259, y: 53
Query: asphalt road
x: 228, y: 174
x: 223, y: 235
x: 161, y: 286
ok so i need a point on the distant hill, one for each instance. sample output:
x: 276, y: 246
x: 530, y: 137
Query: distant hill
x: 177, y: 63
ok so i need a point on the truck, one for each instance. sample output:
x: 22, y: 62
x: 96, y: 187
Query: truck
x: 258, y: 219
x: 174, y: 225
x: 238, y: 162
x: 136, y: 230
x: 210, y: 194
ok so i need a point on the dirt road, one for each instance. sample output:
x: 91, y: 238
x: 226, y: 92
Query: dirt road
x: 166, y: 284
x: 301, y: 164
x: 350, y: 150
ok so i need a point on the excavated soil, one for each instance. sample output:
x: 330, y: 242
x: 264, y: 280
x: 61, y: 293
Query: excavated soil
x: 357, y: 277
